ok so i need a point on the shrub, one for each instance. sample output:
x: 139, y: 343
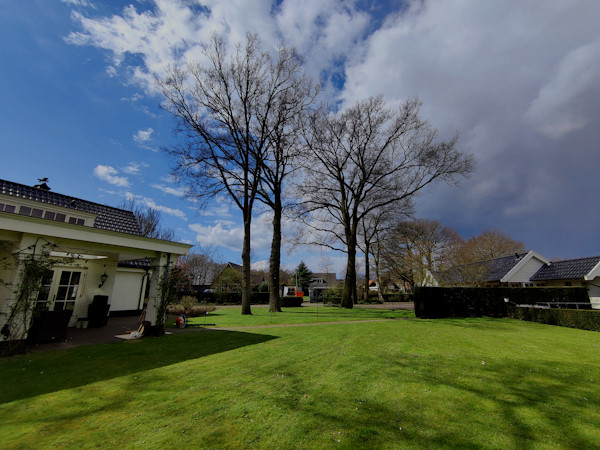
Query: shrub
x: 433, y: 303
x: 188, y: 302
x: 175, y: 309
x: 398, y: 297
x: 333, y: 295
x: 572, y: 318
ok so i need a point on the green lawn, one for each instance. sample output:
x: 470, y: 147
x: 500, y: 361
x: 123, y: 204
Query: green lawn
x: 399, y: 384
x: 231, y: 316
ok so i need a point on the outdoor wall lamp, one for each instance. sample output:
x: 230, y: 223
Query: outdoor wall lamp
x: 103, y: 279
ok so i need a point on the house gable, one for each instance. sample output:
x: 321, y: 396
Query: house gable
x: 525, y: 268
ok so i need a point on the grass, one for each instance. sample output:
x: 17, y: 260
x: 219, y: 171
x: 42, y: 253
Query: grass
x: 474, y: 383
x: 231, y: 317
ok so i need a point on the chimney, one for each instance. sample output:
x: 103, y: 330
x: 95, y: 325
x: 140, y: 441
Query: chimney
x: 42, y: 184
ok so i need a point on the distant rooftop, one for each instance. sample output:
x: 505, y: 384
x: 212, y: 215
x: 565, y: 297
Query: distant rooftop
x: 107, y: 217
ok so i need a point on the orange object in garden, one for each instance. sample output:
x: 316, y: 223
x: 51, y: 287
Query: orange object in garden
x: 299, y: 294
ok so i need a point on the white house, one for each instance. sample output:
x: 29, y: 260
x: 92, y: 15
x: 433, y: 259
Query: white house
x: 98, y: 249
x: 572, y: 272
x: 512, y: 271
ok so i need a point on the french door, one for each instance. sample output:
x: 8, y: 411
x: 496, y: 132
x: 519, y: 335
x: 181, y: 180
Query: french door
x: 61, y: 289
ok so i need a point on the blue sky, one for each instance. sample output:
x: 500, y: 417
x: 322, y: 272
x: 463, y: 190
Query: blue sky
x: 517, y: 80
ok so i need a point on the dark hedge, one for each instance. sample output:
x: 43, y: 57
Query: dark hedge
x: 291, y: 301
x: 573, y: 318
x: 435, y: 302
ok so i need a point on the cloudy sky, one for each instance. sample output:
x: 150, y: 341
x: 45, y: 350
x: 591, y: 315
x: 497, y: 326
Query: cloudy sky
x: 518, y: 81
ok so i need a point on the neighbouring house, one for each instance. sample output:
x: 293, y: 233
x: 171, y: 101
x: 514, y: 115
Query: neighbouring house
x: 510, y: 271
x: 527, y: 270
x: 391, y: 286
x: 572, y: 272
x: 323, y: 280
x: 99, y: 251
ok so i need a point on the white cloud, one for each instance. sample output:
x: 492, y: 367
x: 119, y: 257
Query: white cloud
x: 262, y: 265
x: 109, y: 174
x: 83, y: 3
x: 229, y: 234
x: 165, y: 209
x: 169, y: 190
x: 219, y: 207
x: 150, y: 203
x: 133, y: 168
x: 143, y: 138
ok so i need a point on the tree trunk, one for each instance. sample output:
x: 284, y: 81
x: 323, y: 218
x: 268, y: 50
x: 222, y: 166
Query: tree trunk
x: 349, y: 292
x: 246, y: 288
x: 378, y: 276
x: 275, y: 261
x: 367, y: 273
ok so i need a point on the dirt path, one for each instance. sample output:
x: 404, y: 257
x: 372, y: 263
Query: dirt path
x: 283, y: 325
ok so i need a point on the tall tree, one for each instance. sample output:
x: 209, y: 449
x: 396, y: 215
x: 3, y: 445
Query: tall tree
x: 295, y: 96
x: 224, y: 108
x: 367, y: 157
x: 303, y: 276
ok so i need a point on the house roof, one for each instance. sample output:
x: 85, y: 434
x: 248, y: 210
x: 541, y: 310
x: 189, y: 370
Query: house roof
x: 490, y: 270
x: 107, y: 217
x: 567, y: 269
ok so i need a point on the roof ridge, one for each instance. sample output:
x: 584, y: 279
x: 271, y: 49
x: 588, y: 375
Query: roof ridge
x: 35, y: 189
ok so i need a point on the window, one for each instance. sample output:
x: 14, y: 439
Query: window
x: 49, y: 215
x: 44, y: 292
x: 36, y: 213
x: 66, y: 293
x: 568, y: 283
x: 60, y: 217
x: 9, y: 208
x: 25, y: 210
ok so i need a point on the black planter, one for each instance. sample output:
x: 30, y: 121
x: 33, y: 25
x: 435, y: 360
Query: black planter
x: 49, y: 326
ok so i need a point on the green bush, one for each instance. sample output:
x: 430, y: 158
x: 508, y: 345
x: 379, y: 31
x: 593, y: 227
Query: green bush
x: 398, y: 297
x: 332, y: 295
x: 433, y: 303
x: 572, y: 318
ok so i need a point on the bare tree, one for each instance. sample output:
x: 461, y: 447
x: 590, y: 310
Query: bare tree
x: 368, y: 157
x: 149, y: 221
x: 224, y: 108
x: 489, y: 245
x: 296, y: 94
x: 414, y: 248
x: 202, y: 265
x: 373, y: 226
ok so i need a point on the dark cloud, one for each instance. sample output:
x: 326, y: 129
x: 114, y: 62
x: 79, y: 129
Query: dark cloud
x: 519, y: 82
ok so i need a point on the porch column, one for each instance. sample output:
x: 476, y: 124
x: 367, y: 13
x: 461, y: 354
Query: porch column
x: 159, y: 267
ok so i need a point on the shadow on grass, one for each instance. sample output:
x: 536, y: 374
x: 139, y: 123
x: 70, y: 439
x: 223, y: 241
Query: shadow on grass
x: 44, y: 372
x: 516, y: 406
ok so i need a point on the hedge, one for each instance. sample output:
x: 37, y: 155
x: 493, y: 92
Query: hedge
x: 435, y: 302
x: 572, y: 318
x: 258, y: 298
x: 291, y: 301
